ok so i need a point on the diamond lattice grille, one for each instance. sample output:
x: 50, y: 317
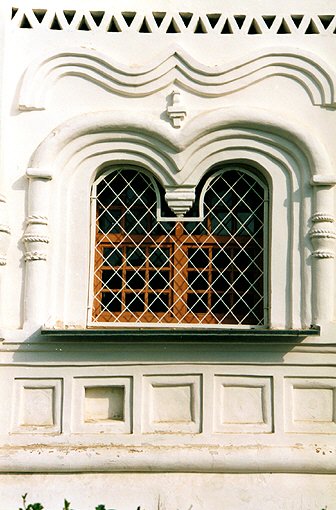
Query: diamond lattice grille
x: 171, y: 272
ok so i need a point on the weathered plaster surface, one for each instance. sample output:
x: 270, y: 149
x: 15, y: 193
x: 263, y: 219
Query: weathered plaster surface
x: 241, y: 423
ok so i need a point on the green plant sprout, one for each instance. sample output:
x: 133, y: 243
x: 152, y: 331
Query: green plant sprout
x: 66, y: 506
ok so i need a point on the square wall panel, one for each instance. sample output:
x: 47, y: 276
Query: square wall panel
x: 37, y: 406
x: 172, y: 403
x: 102, y: 404
x: 310, y: 405
x: 243, y: 404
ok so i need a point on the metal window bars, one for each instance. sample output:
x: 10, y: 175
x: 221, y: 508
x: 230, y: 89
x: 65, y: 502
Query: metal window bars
x: 179, y: 272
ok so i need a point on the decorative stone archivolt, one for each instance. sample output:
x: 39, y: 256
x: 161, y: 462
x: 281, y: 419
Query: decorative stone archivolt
x: 175, y: 148
x: 179, y: 68
x: 74, y: 151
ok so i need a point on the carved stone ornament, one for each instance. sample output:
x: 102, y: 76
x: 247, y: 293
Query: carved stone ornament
x: 29, y: 238
x: 323, y: 254
x: 323, y: 235
x: 180, y: 200
x: 39, y: 173
x: 322, y: 217
x: 35, y: 219
x: 35, y: 255
x: 176, y: 112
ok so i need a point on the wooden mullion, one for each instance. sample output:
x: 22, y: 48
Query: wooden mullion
x: 180, y: 285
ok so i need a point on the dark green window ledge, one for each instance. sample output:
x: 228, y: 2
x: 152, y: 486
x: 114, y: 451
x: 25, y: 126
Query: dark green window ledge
x: 182, y: 335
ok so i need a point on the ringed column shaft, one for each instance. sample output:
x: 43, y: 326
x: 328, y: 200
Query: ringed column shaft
x: 36, y: 240
x: 323, y: 235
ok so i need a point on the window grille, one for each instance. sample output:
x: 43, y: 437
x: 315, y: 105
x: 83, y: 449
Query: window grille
x: 206, y: 269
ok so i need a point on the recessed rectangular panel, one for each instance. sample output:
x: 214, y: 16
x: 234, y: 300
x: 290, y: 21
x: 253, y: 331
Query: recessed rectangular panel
x: 37, y: 406
x: 313, y: 405
x: 243, y: 404
x: 172, y: 403
x: 104, y: 403
x: 310, y: 405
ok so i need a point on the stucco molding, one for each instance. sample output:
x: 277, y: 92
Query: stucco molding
x: 5, y: 231
x: 323, y: 254
x: 323, y: 235
x: 35, y: 255
x: 179, y: 159
x: 35, y: 219
x: 28, y: 238
x: 172, y: 459
x: 323, y: 217
x: 212, y: 125
x: 176, y: 67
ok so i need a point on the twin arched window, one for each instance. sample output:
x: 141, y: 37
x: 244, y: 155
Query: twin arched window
x: 207, y: 268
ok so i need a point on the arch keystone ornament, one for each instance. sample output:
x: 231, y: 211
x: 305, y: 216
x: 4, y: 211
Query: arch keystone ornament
x: 176, y: 111
x: 180, y: 199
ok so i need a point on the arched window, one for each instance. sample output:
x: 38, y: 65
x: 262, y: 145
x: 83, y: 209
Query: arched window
x: 207, y: 268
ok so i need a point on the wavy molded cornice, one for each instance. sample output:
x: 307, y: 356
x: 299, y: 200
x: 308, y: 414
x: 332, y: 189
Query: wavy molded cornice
x: 176, y: 67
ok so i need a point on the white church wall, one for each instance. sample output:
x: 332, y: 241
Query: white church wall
x: 181, y: 417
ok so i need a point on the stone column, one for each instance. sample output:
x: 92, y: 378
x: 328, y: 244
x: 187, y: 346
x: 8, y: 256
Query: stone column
x: 4, y: 231
x: 36, y: 241
x: 4, y: 243
x: 323, y: 235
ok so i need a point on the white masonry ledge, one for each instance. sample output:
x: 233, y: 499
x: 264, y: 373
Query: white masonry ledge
x: 295, y: 458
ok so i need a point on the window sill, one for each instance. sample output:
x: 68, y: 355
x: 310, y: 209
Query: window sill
x: 183, y: 335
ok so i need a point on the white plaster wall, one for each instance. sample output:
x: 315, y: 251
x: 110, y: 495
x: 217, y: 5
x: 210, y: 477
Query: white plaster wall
x: 166, y: 425
x: 174, y: 491
x: 283, y: 97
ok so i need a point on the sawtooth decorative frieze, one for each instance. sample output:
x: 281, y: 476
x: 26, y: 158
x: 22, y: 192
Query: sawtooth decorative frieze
x: 176, y: 67
x: 172, y: 22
